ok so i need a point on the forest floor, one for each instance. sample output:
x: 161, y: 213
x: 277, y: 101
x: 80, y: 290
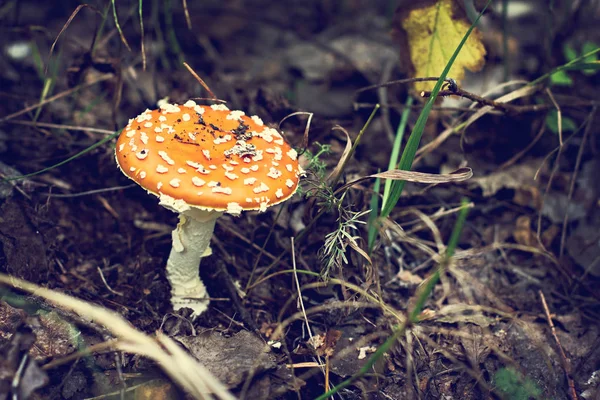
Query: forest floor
x: 528, y: 251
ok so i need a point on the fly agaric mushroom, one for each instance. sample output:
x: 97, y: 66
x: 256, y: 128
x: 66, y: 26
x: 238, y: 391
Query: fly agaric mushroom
x: 203, y: 161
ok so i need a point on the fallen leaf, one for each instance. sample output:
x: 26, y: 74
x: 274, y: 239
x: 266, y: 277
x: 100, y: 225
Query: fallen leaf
x: 432, y: 31
x: 514, y: 177
x: 409, y: 277
x: 523, y: 233
x: 229, y: 359
x: 463, y: 313
x: 156, y: 389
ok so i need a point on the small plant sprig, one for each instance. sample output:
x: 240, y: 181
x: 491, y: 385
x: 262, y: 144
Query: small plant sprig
x: 315, y: 184
x: 333, y: 252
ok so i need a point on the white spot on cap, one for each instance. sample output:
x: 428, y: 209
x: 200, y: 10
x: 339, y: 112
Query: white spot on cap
x: 249, y: 181
x: 279, y: 193
x: 182, y: 170
x: 213, y: 167
x: 199, y: 167
x: 142, y: 174
x: 159, y: 185
x: 261, y: 188
x: 289, y: 183
x: 186, y: 117
x: 292, y: 154
x: 258, y: 156
x: 254, y: 168
x: 213, y: 184
x: 160, y: 139
x: 197, y: 181
x: 231, y: 176
x: 289, y: 167
x: 132, y: 169
x: 234, y: 208
x: 235, y: 115
x: 206, y: 154
x: 263, y: 207
x: 143, y: 153
x: 248, y: 199
x: 162, y: 118
x: 227, y: 167
x: 144, y: 137
x: 170, y: 108
x: 161, y: 169
x: 158, y: 129
x: 224, y: 139
x: 279, y: 142
x: 219, y: 107
x: 148, y: 124
x: 165, y: 156
x: 220, y: 189
x: 175, y: 182
x: 130, y: 133
x: 190, y: 104
x: 257, y: 120
x: 121, y: 147
x: 192, y: 136
x: 245, y: 170
x: 274, y: 173
x: 199, y: 110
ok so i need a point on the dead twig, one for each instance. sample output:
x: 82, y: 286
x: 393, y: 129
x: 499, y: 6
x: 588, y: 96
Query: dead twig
x: 504, y: 107
x: 106, y: 283
x: 457, y: 91
x: 565, y: 360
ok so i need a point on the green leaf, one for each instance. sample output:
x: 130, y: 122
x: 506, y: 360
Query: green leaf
x: 588, y: 47
x: 568, y: 125
x: 593, y: 59
x: 569, y: 52
x: 561, y: 78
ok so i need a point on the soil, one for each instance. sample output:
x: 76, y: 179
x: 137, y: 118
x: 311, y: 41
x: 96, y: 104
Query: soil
x: 528, y: 250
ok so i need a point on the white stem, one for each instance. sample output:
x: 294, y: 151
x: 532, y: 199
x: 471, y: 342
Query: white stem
x: 191, y: 240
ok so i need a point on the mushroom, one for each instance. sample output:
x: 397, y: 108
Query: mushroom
x: 201, y: 162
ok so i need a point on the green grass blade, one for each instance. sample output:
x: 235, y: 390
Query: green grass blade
x: 372, y: 222
x: 118, y: 25
x: 408, y: 155
x: 63, y: 162
x: 393, y: 164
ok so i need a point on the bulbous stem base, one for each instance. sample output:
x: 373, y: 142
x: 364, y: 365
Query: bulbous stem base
x: 191, y: 240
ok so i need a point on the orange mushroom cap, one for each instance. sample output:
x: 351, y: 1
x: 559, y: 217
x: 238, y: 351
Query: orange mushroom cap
x: 209, y: 157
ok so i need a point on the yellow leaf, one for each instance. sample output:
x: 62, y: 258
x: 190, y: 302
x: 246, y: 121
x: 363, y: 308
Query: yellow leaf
x: 432, y: 30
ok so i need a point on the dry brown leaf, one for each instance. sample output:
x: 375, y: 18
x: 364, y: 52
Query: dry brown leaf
x: 453, y: 313
x: 459, y: 175
x: 515, y: 177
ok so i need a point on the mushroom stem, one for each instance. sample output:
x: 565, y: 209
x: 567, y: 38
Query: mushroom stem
x: 191, y: 239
